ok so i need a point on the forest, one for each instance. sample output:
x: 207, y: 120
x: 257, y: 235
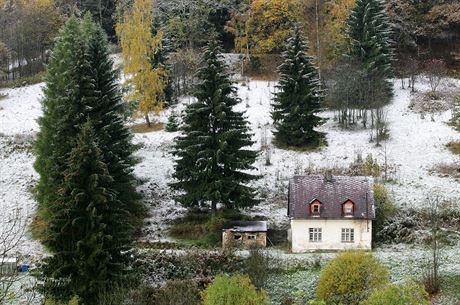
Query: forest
x: 141, y: 140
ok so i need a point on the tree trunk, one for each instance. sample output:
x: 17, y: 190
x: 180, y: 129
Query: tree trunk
x: 147, y: 120
x: 318, y: 44
x: 213, y: 208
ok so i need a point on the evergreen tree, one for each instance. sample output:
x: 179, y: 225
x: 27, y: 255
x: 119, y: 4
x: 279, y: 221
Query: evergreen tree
x: 173, y: 124
x: 159, y: 60
x: 103, y: 12
x: 81, y: 82
x: 86, y: 250
x: 296, y: 105
x: 212, y: 154
x: 369, y: 35
x: 68, y: 95
x: 81, y: 87
x: 115, y: 139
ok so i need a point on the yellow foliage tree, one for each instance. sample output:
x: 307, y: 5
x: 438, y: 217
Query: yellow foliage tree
x: 271, y: 23
x: 138, y: 46
x: 337, y: 11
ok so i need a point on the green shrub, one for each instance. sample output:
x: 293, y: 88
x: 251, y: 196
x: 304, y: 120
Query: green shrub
x: 177, y: 292
x: 258, y: 267
x: 409, y: 293
x: 385, y: 209
x: 23, y: 81
x: 161, y: 266
x: 73, y: 301
x: 233, y: 290
x: 350, y: 278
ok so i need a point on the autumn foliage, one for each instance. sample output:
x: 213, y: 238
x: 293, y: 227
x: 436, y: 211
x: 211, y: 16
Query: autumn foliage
x: 138, y: 47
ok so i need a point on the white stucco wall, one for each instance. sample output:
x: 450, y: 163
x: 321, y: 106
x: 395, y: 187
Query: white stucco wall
x: 331, y: 234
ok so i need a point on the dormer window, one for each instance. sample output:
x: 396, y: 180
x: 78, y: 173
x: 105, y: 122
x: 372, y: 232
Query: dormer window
x: 315, y: 207
x: 348, y: 208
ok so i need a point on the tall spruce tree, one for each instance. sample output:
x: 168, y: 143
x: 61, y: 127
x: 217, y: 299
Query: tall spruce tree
x: 160, y: 60
x: 213, y: 154
x: 80, y: 86
x: 369, y: 35
x: 68, y: 95
x: 115, y: 139
x: 298, y: 101
x: 87, y: 251
x: 81, y: 82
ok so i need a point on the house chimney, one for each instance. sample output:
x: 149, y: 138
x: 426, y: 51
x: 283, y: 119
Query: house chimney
x: 328, y: 176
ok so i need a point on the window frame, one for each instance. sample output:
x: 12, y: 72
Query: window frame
x: 347, y: 235
x: 315, y: 204
x: 315, y: 235
x: 316, y: 208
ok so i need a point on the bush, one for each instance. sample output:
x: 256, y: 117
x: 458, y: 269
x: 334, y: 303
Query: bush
x: 233, y: 290
x: 404, y: 227
x: 385, y: 209
x: 73, y: 301
x: 23, y: 81
x: 200, y: 228
x: 350, y: 278
x: 182, y: 292
x: 257, y: 267
x: 161, y: 266
x: 454, y: 147
x: 409, y: 293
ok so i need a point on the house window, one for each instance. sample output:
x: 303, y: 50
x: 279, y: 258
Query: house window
x: 251, y: 237
x: 348, y: 235
x: 237, y: 237
x: 315, y: 234
x: 316, y: 209
x: 348, y: 208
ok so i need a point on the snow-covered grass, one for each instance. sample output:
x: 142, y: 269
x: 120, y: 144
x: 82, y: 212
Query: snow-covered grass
x: 415, y: 145
x: 302, y: 274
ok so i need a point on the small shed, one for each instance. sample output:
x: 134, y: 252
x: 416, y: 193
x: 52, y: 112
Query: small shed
x: 244, y: 234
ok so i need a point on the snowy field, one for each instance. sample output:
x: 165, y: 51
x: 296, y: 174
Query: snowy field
x: 416, y: 144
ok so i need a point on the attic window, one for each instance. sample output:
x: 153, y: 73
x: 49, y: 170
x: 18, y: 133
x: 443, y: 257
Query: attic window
x: 315, y: 208
x: 348, y: 208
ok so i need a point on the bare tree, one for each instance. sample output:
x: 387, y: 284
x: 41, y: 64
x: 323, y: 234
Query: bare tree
x: 435, y: 242
x: 265, y: 145
x: 184, y: 62
x: 436, y: 71
x: 412, y: 70
x: 11, y: 233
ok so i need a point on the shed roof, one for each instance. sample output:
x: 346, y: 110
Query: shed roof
x: 246, y: 226
x: 332, y: 193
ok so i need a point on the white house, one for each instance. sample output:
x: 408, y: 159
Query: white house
x: 330, y: 212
